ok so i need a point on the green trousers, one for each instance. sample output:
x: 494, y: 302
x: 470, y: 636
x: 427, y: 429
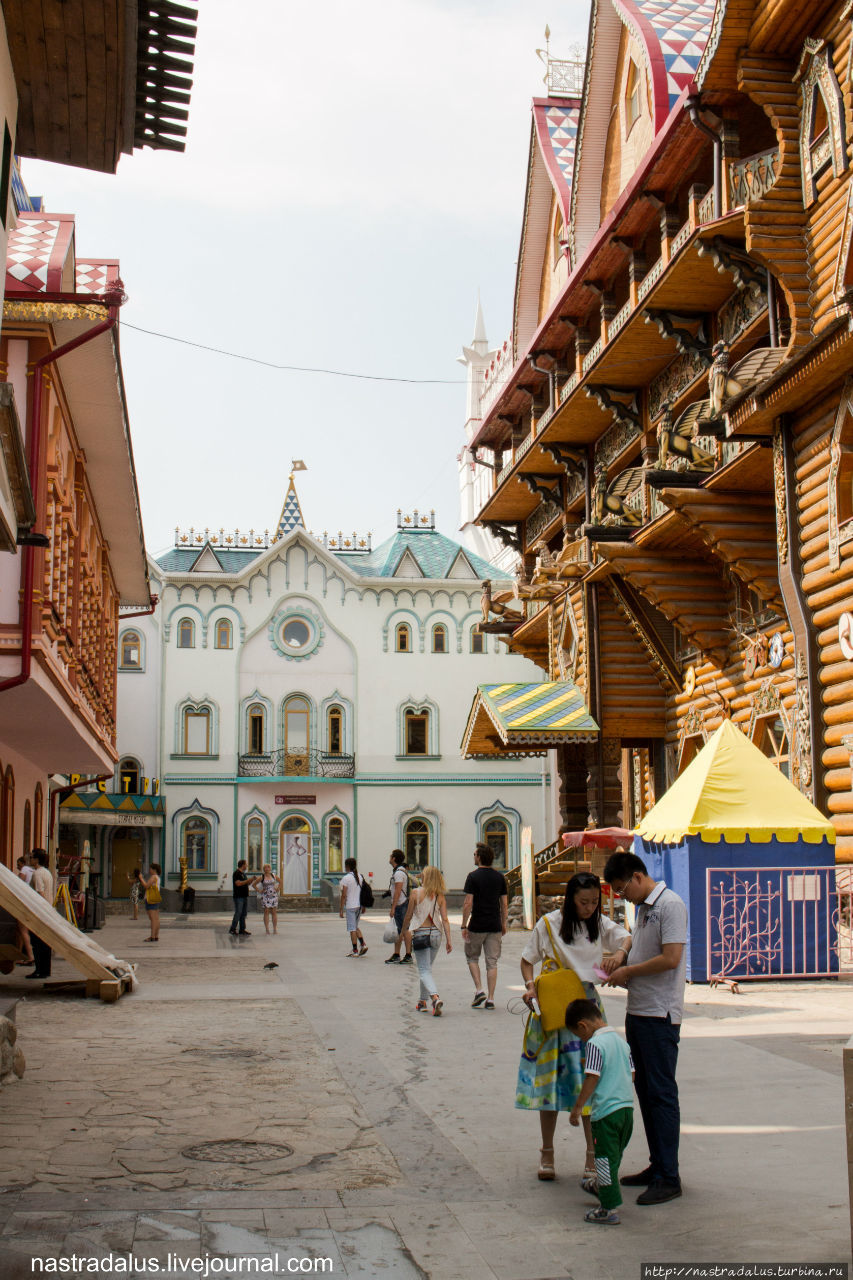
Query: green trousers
x: 610, y: 1136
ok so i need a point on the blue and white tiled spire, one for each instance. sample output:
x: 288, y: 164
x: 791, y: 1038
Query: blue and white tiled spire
x: 291, y: 513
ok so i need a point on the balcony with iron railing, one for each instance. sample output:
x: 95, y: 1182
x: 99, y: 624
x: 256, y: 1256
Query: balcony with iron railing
x: 296, y: 764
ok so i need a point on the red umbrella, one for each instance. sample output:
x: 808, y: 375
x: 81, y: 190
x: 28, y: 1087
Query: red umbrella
x: 598, y: 838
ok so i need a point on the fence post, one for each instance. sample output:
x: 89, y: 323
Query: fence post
x: 848, y: 1115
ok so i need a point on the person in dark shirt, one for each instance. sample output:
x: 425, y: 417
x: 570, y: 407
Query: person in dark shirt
x: 242, y: 884
x: 484, y: 923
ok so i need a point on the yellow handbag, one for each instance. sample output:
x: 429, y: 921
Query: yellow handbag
x: 556, y: 988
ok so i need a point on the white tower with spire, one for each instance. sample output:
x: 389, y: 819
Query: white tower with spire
x: 475, y: 476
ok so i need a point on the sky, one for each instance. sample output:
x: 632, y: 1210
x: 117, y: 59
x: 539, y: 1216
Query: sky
x: 353, y: 177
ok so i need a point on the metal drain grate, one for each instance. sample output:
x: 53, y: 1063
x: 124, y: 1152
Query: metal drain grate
x: 235, y: 1151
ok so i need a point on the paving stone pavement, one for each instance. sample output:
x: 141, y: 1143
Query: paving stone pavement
x: 228, y: 1113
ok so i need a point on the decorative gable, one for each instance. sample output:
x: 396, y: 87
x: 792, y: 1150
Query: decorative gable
x: 461, y: 568
x: 407, y: 566
x: 822, y: 134
x: 207, y: 562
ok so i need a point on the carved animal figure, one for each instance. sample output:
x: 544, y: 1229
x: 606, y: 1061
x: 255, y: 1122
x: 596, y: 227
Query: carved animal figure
x: 672, y: 441
x: 720, y: 386
x: 604, y: 503
x: 487, y: 605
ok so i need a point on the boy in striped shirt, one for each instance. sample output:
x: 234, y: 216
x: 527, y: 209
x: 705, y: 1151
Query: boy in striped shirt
x: 608, y: 1088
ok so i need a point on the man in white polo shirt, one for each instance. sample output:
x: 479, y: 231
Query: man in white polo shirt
x: 655, y: 980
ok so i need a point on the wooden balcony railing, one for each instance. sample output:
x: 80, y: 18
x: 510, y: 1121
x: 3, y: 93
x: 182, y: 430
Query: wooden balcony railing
x: 752, y: 178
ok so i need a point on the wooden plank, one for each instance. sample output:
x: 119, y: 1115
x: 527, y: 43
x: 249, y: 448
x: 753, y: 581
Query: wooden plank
x: 27, y: 906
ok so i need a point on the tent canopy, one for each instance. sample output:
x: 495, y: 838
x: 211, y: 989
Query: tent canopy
x: 732, y: 791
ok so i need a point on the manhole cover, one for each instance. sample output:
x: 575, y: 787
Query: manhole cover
x: 234, y: 1151
x: 226, y: 1053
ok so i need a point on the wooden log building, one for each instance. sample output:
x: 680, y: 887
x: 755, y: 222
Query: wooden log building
x: 672, y: 451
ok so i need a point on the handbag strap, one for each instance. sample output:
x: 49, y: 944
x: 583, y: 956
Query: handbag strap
x: 557, y: 959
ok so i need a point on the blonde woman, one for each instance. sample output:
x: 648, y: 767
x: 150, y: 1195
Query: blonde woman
x: 269, y: 887
x: 426, y: 920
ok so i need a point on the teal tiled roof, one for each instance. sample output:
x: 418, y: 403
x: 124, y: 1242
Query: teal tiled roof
x: 432, y: 552
x: 182, y: 559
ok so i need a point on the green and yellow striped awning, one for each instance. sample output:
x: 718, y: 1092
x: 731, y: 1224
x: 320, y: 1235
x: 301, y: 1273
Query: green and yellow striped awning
x: 508, y: 718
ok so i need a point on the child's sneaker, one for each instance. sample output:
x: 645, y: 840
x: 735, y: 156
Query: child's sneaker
x: 603, y: 1217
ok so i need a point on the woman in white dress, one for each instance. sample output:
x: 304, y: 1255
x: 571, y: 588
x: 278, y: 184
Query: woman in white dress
x: 551, y: 1070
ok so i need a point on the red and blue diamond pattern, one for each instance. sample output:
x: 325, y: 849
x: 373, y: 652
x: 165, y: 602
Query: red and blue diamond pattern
x: 682, y: 28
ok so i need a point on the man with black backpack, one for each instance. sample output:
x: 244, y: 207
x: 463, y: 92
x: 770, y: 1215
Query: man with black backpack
x: 356, y: 894
x: 399, y: 890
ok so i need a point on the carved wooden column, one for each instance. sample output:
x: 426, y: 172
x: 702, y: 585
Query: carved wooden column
x: 572, y: 770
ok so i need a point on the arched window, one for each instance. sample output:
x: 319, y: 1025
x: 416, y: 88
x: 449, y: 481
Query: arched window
x: 186, y: 634
x: 771, y: 737
x: 131, y: 651
x: 27, y: 842
x: 633, y: 100
x: 416, y: 725
x: 297, y: 737
x: 223, y: 638
x: 335, y: 845
x: 195, y: 844
x: 439, y: 638
x: 38, y: 817
x: 477, y: 639
x: 196, y: 731
x: 335, y: 731
x: 255, y: 844
x: 128, y: 776
x: 496, y: 836
x: 256, y: 729
x: 403, y: 638
x: 416, y: 843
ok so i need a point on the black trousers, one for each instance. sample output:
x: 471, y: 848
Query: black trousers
x: 654, y: 1048
x: 41, y: 955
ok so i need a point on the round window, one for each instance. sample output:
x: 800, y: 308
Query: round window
x: 295, y: 633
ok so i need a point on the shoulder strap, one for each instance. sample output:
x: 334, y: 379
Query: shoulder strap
x: 553, y: 947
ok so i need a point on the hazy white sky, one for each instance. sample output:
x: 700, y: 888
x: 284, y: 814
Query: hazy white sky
x: 353, y: 175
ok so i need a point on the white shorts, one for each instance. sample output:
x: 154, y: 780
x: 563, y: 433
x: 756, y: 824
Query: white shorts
x: 353, y: 916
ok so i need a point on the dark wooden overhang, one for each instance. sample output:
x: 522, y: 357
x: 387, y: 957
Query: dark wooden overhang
x: 531, y: 639
x: 96, y: 78
x: 669, y: 565
x: 674, y: 155
x: 689, y: 284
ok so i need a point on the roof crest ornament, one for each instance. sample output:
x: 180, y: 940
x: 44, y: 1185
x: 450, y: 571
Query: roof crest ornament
x: 563, y: 77
x: 416, y: 522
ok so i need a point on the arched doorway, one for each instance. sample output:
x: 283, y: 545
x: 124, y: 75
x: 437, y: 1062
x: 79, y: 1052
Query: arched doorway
x: 295, y: 855
x: 297, y: 736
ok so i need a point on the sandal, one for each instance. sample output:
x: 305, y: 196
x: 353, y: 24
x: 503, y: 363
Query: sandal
x: 546, y: 1165
x: 589, y: 1178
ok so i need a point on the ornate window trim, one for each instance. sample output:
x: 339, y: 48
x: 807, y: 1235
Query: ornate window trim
x: 290, y: 696
x: 336, y: 815
x: 223, y: 623
x: 313, y: 622
x: 120, y: 772
x: 255, y: 700
x: 692, y: 727
x: 197, y: 706
x: 179, y: 817
x: 840, y: 529
x: 817, y: 76
x: 418, y: 706
x: 346, y: 709
x: 512, y: 818
x: 433, y: 822
x: 767, y: 705
x: 124, y: 637
x: 256, y: 814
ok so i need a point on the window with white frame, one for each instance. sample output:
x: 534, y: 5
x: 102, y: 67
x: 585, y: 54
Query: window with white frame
x: 439, y: 638
x: 255, y: 844
x: 496, y: 835
x: 186, y: 634
x: 224, y: 634
x: 196, y: 737
x: 130, y: 657
x: 195, y: 843
x: 256, y: 720
x: 403, y: 638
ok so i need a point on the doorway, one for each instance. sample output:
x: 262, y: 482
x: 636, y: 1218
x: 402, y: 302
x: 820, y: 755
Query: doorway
x: 295, y: 855
x: 126, y: 854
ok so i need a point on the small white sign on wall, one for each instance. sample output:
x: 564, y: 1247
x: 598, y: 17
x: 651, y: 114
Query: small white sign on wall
x: 804, y: 888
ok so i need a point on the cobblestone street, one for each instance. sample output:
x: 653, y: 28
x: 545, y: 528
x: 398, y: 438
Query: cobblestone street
x: 309, y: 1112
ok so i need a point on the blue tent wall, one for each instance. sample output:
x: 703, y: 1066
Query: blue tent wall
x: 684, y: 867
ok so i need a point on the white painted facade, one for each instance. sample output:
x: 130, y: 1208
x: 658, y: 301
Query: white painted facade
x: 198, y: 717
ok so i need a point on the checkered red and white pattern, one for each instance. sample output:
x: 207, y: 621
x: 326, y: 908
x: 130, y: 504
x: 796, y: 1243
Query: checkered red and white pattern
x: 682, y: 28
x: 95, y: 277
x: 33, y: 255
x: 557, y: 130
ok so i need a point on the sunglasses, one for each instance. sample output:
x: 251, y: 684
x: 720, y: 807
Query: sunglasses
x: 586, y: 880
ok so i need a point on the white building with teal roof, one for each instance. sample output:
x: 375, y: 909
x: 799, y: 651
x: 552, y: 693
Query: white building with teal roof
x: 301, y: 699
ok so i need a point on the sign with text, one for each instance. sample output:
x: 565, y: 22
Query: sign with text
x: 296, y: 799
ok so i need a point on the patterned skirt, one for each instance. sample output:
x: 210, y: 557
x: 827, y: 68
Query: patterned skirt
x: 551, y: 1070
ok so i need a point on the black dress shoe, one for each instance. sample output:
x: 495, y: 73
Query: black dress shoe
x: 643, y: 1179
x: 244, y: 933
x: 29, y: 977
x: 659, y: 1193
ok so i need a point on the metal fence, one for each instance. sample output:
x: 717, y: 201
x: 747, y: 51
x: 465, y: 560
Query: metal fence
x: 296, y: 764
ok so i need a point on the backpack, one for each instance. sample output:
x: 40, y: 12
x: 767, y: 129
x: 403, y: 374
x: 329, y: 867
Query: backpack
x: 366, y: 894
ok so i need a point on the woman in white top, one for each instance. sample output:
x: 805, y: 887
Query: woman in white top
x: 551, y: 1070
x: 426, y: 920
x: 152, y: 901
x: 350, y: 887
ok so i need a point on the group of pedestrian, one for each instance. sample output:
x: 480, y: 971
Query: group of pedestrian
x: 268, y: 886
x: 588, y: 1069
x: 583, y: 1067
